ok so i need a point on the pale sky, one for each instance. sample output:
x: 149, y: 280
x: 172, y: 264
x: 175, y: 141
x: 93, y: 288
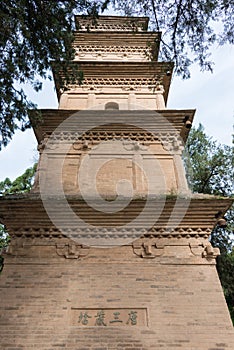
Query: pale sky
x: 212, y: 95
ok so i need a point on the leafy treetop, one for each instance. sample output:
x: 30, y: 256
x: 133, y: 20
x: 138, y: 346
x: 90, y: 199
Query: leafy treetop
x: 33, y: 34
x: 21, y: 184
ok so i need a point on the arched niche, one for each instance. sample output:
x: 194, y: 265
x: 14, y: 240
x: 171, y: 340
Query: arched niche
x: 111, y: 106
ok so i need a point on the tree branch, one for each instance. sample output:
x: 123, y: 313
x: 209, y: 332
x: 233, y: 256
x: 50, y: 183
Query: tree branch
x: 155, y: 14
x: 175, y: 28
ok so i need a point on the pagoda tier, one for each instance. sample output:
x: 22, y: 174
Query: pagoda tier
x: 93, y: 46
x: 130, y: 84
x: 68, y: 136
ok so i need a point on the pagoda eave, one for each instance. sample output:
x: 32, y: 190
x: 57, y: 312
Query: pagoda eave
x: 115, y: 72
x: 52, y: 118
x: 124, y: 38
x: 200, y: 212
x: 110, y: 23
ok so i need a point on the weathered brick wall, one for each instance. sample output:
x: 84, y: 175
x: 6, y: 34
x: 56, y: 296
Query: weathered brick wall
x: 179, y: 306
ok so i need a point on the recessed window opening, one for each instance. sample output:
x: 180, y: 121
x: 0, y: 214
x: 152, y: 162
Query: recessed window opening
x: 111, y: 105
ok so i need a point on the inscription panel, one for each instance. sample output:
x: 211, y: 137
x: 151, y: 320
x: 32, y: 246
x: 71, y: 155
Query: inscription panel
x: 123, y: 317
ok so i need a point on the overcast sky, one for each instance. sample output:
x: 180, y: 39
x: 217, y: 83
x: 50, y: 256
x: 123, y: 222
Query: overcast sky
x: 212, y: 95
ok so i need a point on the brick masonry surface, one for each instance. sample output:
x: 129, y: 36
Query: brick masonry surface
x: 184, y: 305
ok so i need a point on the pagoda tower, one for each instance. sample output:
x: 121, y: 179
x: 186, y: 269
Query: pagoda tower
x: 110, y: 249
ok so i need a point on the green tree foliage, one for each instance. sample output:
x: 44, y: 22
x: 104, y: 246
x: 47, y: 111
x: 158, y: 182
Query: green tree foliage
x: 4, y: 241
x: 21, y: 184
x: 223, y: 239
x: 209, y: 168
x: 33, y: 33
x: 225, y: 267
x: 209, y: 164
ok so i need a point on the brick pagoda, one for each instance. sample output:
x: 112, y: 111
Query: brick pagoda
x: 110, y: 250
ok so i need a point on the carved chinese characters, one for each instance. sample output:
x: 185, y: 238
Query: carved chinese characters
x: 109, y: 317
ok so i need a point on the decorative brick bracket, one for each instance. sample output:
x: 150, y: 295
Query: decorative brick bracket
x: 151, y: 250
x: 71, y: 251
x: 205, y: 251
x: 148, y: 250
x: 197, y: 249
x: 210, y: 252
